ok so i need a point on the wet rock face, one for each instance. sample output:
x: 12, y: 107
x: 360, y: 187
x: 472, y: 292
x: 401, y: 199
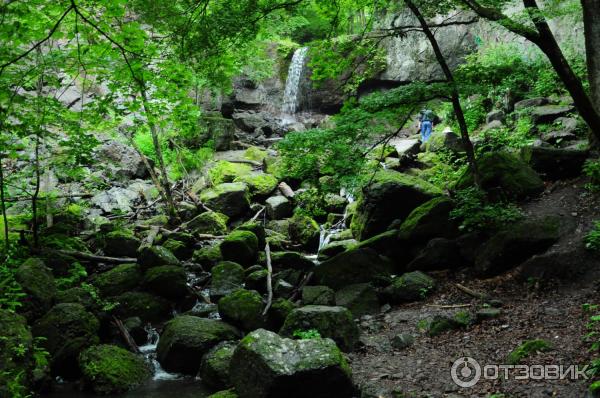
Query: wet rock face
x: 266, y: 365
x: 186, y: 338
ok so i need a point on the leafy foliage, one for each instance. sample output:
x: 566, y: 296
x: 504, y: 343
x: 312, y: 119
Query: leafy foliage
x: 591, y: 168
x: 306, y: 334
x: 477, y: 214
x: 592, y: 239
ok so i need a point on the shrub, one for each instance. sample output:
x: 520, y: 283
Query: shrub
x: 592, y: 239
x: 477, y: 214
x: 591, y: 168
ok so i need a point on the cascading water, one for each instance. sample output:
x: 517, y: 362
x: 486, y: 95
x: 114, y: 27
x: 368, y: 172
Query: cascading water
x: 292, y: 94
x: 149, y: 351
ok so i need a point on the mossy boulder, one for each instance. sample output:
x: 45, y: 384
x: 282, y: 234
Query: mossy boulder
x: 391, y: 196
x: 259, y: 184
x: 227, y: 277
x: 38, y: 284
x: 168, y: 281
x: 304, y: 231
x: 440, y: 323
x: 517, y: 243
x: 108, y: 369
x: 411, y: 286
x: 439, y: 253
x: 230, y: 199
x: 148, y: 307
x: 225, y: 171
x: 361, y: 265
x: 334, y: 248
x: 185, y: 339
x: 211, y: 222
x: 180, y: 249
x: 429, y: 220
x: 240, y: 247
x: 504, y: 172
x: 257, y: 229
x: 68, y: 329
x: 121, y: 243
x: 318, y: 295
x: 154, y: 256
x: 257, y: 280
x: 16, y: 337
x: 77, y: 295
x: 291, y: 260
x: 243, y: 308
x: 279, y: 311
x: 266, y: 365
x: 527, y: 348
x: 256, y: 154
x: 208, y: 256
x: 214, y: 367
x: 224, y: 394
x: 121, y: 279
x: 361, y: 299
x: 336, y: 323
x: 279, y: 207
x: 555, y: 163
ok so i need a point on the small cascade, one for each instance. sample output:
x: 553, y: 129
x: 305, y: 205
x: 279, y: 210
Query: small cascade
x: 292, y: 95
x: 149, y: 351
x: 326, y: 234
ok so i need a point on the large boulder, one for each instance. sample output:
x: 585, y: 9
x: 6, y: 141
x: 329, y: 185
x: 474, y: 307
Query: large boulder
x: 549, y: 113
x: 146, y: 306
x: 291, y: 260
x: 122, y: 160
x: 16, y: 337
x: 266, y: 365
x: 214, y: 367
x: 429, y: 220
x: 361, y: 299
x: 391, y: 196
x: 67, y: 329
x: 227, y: 277
x: 440, y: 253
x: 109, y: 369
x: 186, y: 338
x: 208, y: 256
x: 304, y: 231
x: 154, y: 256
x: 121, y: 243
x: 210, y: 222
x: 121, y: 279
x: 507, y: 173
x: 515, y: 244
x: 318, y: 295
x: 259, y: 184
x: 230, y: 199
x: 240, y: 247
x: 279, y: 207
x: 360, y: 265
x: 37, y: 283
x: 243, y: 308
x: 445, y: 141
x: 411, y: 286
x: 336, y: 323
x: 555, y: 163
x: 168, y: 281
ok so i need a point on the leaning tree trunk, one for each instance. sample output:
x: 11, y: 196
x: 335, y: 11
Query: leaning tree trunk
x: 591, y: 28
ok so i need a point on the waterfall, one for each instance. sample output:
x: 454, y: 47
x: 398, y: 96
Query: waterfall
x: 149, y: 351
x: 292, y: 94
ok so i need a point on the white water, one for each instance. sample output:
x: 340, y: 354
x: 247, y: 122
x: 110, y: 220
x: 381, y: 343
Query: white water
x: 149, y: 351
x: 338, y: 227
x: 292, y: 93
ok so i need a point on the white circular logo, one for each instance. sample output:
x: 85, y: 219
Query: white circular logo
x: 465, y: 372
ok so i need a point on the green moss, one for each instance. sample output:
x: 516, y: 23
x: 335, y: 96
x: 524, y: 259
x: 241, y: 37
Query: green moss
x: 381, y: 151
x: 64, y: 242
x: 241, y: 247
x: 527, y: 348
x: 428, y: 212
x: 225, y: 171
x: 304, y: 230
x: 260, y: 184
x: 121, y: 234
x: 224, y: 394
x: 242, y: 308
x: 211, y: 222
x: 256, y: 154
x: 208, y: 256
x: 118, y: 280
x: 387, y: 176
x: 110, y: 369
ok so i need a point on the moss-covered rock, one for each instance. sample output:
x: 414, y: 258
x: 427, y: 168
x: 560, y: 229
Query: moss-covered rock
x: 243, y: 308
x: 517, y: 243
x: 440, y: 324
x: 429, y: 220
x: 505, y: 172
x: 168, y: 281
x: 68, y: 329
x: 391, y: 196
x: 411, y: 286
x: 180, y: 249
x: 224, y: 394
x: 211, y: 222
x: 304, y: 231
x: 16, y: 338
x: 334, y: 248
x: 109, y: 369
x: 121, y: 243
x: 256, y: 154
x: 225, y: 171
x: 257, y: 280
x: 318, y: 295
x: 148, y: 307
x: 185, y: 339
x: 279, y: 207
x: 361, y: 299
x: 361, y: 265
x: 227, y: 277
x: 266, y: 365
x: 527, y: 348
x: 336, y: 323
x: 240, y: 247
x: 291, y: 260
x: 38, y: 284
x: 279, y: 311
x: 208, y: 256
x: 77, y: 295
x: 214, y: 368
x: 260, y: 184
x: 257, y: 229
x: 120, y: 279
x: 230, y: 199
x: 154, y: 256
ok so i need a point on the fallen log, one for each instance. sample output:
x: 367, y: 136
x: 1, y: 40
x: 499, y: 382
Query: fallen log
x: 98, y: 259
x: 269, y: 279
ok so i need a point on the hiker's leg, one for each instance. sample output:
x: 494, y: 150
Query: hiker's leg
x: 426, y: 131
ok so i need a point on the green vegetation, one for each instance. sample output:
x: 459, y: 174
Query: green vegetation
x: 592, y: 239
x: 477, y: 213
x: 527, y: 348
x: 306, y: 334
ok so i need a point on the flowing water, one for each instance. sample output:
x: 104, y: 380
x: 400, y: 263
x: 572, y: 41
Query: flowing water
x: 293, y: 86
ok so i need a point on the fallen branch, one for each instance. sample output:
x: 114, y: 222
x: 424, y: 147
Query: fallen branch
x: 98, y: 259
x: 245, y: 161
x: 69, y: 196
x: 301, y: 285
x: 151, y: 237
x: 258, y: 214
x: 286, y: 190
x: 471, y: 292
x: 269, y: 279
x: 448, y: 305
x: 126, y: 336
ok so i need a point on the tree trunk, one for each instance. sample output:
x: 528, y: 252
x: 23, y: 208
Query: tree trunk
x: 3, y: 208
x: 591, y: 27
x: 460, y: 117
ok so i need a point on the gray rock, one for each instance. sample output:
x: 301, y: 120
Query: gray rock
x: 226, y: 278
x: 549, y: 113
x: 495, y: 115
x: 531, y: 102
x: 555, y: 163
x: 411, y: 286
x: 230, y: 199
x: 318, y: 295
x: 361, y: 299
x: 122, y: 160
x: 37, y: 282
x: 494, y: 124
x: 214, y: 368
x: 279, y: 207
x: 440, y: 253
x: 402, y: 341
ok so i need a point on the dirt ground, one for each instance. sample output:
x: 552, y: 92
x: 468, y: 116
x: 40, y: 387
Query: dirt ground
x: 531, y: 309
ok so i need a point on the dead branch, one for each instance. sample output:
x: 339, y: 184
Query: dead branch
x: 471, y: 292
x: 126, y: 336
x: 269, y: 279
x: 98, y: 259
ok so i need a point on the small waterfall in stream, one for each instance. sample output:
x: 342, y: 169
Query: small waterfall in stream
x: 293, y: 86
x: 149, y: 351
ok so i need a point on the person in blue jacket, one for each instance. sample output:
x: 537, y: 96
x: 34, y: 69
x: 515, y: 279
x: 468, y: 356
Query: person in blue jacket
x: 426, y: 119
